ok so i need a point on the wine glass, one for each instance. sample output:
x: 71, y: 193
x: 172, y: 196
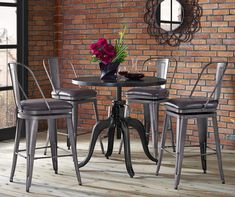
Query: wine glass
x: 122, y: 70
x: 134, y: 64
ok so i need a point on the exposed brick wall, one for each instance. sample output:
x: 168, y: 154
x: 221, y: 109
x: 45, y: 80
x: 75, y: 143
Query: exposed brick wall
x: 41, y: 20
x: 84, y: 21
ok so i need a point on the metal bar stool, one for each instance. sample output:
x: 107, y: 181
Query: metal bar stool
x: 151, y: 98
x: 31, y: 111
x: 200, y: 108
x: 73, y: 96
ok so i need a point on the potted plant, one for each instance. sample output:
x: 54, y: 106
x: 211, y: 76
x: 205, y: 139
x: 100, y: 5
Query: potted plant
x: 109, y: 56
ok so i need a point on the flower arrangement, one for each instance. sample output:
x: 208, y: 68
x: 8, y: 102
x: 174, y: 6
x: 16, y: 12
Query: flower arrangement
x: 104, y: 52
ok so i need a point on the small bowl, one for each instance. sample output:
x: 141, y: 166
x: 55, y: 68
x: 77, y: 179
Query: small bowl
x: 134, y: 76
x: 122, y: 73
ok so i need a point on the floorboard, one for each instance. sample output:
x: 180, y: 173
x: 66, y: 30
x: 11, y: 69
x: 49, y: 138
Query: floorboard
x: 108, y: 177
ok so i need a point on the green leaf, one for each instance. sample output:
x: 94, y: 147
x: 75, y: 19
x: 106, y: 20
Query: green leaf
x: 94, y: 59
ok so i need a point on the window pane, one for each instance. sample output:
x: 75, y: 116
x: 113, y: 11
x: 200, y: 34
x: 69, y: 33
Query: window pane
x: 7, y: 112
x: 8, y: 1
x: 7, y: 25
x: 177, y: 12
x: 166, y: 26
x: 175, y: 26
x: 6, y: 55
x: 166, y: 10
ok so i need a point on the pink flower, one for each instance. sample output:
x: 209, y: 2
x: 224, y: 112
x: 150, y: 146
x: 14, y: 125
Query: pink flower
x: 106, y: 59
x: 102, y: 42
x: 103, y: 51
x: 93, y: 46
x: 109, y: 50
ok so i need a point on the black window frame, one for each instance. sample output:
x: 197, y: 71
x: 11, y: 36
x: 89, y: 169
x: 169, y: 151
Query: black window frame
x: 22, y: 53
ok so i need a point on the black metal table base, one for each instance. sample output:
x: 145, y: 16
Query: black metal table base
x: 118, y: 122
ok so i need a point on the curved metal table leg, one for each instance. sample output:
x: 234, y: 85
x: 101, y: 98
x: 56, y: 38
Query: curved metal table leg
x: 126, y: 140
x: 97, y: 129
x: 136, y: 124
x: 111, y: 133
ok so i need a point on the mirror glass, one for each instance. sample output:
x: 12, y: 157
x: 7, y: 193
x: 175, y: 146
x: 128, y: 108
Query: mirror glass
x: 169, y: 15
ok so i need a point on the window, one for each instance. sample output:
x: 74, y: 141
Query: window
x: 13, y: 45
x: 170, y: 15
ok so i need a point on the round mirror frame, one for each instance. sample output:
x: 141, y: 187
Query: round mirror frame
x: 184, y: 33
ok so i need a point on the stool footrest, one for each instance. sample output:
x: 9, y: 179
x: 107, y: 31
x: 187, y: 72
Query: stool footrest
x: 192, y: 155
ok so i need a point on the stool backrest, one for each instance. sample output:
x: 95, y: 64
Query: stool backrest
x: 17, y: 88
x: 15, y: 84
x: 162, y: 66
x: 53, y: 64
x: 221, y: 67
x: 220, y: 71
x: 54, y: 72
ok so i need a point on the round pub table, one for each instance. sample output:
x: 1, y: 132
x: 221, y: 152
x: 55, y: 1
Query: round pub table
x: 116, y: 120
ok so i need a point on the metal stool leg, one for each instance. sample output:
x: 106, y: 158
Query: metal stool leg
x: 53, y: 142
x: 16, y: 146
x: 218, y: 151
x: 47, y: 143
x: 127, y: 110
x: 73, y: 148
x: 75, y: 123
x: 154, y: 109
x: 147, y: 119
x: 202, y: 130
x: 163, y: 141
x: 180, y: 142
x: 31, y: 132
x: 170, y: 128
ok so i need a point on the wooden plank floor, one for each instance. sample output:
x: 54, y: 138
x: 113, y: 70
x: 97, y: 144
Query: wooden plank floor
x: 102, y: 177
